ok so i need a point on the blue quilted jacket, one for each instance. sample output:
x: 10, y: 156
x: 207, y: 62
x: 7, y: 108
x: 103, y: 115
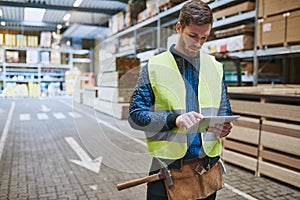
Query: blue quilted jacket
x: 142, y: 116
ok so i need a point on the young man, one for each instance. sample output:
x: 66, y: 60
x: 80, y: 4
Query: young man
x: 174, y: 91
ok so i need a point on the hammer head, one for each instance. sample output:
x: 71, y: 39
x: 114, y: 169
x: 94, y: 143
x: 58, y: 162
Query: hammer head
x: 167, y: 176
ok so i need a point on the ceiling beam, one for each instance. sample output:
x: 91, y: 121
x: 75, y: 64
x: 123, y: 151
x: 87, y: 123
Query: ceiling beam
x: 122, y: 1
x: 59, y: 7
x: 20, y: 23
x: 27, y: 28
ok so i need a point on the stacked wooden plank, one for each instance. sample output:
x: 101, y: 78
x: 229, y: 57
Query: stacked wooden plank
x: 242, y: 143
x: 266, y: 139
x: 89, y: 96
x: 116, y: 83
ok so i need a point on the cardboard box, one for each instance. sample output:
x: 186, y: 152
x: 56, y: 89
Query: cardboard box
x: 32, y: 41
x: 237, y: 30
x: 32, y: 56
x: 21, y: 40
x: 55, y: 58
x: 271, y: 31
x: 134, y: 10
x: 10, y: 39
x: 233, y: 10
x: 293, y: 27
x: 230, y: 44
x: 1, y: 39
x: 174, y: 2
x: 272, y: 7
x: 12, y: 56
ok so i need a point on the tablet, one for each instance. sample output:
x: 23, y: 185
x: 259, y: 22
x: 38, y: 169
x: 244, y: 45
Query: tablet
x: 210, y: 121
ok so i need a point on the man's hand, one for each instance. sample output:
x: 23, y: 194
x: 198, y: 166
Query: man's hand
x: 188, y: 119
x: 221, y: 130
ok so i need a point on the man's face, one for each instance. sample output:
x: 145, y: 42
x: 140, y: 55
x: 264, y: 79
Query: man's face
x: 191, y: 38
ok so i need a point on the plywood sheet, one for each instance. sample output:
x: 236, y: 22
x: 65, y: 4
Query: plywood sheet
x: 239, y: 159
x: 280, y: 173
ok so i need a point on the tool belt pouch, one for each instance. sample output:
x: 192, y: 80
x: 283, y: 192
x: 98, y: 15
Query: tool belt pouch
x: 190, y: 185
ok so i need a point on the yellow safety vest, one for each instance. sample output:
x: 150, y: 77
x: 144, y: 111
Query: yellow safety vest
x: 170, y: 95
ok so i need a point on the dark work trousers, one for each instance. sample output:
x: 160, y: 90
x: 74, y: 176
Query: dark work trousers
x: 156, y: 191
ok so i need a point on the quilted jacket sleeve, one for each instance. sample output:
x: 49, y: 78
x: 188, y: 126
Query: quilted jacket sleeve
x: 141, y: 114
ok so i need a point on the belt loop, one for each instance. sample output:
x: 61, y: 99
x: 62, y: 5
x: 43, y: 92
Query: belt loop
x: 208, y: 164
x: 181, y: 164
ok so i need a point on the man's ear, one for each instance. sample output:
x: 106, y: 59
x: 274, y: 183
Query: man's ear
x: 178, y: 27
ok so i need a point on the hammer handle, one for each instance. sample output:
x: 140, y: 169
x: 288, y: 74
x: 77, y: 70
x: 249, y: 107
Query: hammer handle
x: 147, y: 179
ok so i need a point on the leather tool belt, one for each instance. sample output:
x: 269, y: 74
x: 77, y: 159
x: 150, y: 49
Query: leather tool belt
x: 195, y: 181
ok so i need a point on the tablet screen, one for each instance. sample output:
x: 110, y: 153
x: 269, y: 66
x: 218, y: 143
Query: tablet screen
x: 210, y: 121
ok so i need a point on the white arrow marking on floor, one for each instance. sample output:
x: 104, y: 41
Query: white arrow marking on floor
x: 42, y: 116
x: 75, y: 115
x: 85, y: 160
x: 59, y: 115
x: 44, y: 108
x: 25, y: 117
x: 94, y: 187
x: 6, y: 127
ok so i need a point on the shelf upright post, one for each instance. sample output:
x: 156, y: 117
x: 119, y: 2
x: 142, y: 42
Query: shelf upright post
x: 135, y: 41
x: 92, y: 57
x: 255, y: 58
x: 4, y: 71
x: 158, y: 27
x: 71, y: 59
x: 39, y: 66
x: 4, y: 67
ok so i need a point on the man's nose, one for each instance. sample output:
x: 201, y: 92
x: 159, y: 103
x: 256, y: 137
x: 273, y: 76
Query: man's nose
x: 198, y: 43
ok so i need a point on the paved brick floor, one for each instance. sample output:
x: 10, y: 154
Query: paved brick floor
x: 36, y: 162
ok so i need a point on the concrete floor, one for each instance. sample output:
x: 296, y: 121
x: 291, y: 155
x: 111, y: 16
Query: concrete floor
x: 54, y: 148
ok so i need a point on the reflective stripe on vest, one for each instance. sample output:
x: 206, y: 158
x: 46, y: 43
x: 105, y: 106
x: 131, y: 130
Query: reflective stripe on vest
x: 170, y: 94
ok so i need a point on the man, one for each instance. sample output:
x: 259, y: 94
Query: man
x: 176, y: 90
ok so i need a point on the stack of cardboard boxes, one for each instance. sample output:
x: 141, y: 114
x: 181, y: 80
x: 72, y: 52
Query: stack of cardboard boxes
x: 278, y: 24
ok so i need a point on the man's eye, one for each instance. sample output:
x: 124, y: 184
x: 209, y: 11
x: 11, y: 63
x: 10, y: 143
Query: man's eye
x: 193, y: 36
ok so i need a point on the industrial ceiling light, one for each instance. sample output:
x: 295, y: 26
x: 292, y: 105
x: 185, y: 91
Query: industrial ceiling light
x: 67, y: 17
x: 59, y: 26
x: 34, y: 14
x: 77, y: 3
x: 3, y: 23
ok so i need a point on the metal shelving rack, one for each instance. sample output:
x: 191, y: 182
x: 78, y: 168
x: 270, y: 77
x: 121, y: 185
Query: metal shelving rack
x: 36, y: 70
x: 156, y: 22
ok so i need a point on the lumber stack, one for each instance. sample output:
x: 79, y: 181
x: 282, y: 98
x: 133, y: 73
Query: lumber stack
x: 116, y: 83
x: 89, y: 96
x: 266, y: 138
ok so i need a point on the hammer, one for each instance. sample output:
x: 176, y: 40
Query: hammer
x: 163, y: 173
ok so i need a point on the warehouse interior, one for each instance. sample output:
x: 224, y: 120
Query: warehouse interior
x: 93, y: 51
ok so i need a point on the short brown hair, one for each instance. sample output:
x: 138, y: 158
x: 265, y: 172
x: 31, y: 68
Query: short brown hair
x: 197, y: 12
